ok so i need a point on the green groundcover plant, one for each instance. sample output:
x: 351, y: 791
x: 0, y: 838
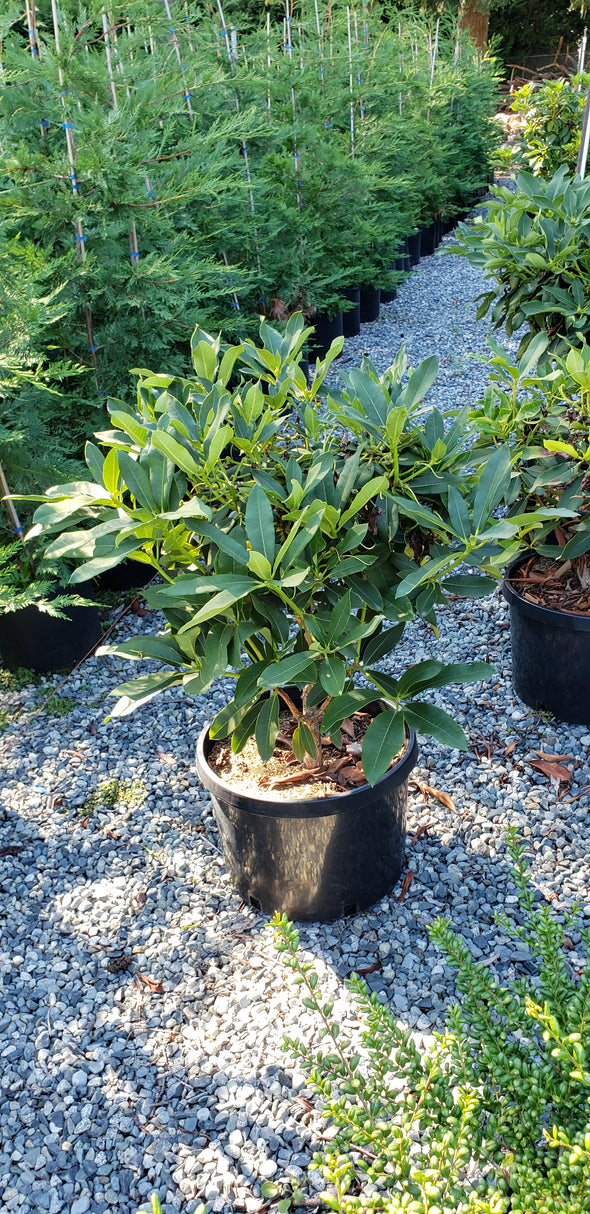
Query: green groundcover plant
x: 493, y: 1117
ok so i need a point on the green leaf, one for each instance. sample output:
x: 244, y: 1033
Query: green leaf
x: 420, y: 382
x: 162, y: 649
x: 260, y: 523
x: 382, y: 644
x: 136, y: 480
x: 303, y: 741
x: 469, y: 585
x: 345, y: 705
x: 178, y: 454
x: 565, y: 448
x: 220, y: 602
x: 267, y: 727
x: 433, y: 722
x: 110, y: 472
x: 378, y: 484
x: 298, y: 667
x: 492, y: 486
x: 381, y: 743
x: 332, y: 675
x: 140, y: 691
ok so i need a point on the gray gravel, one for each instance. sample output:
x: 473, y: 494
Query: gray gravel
x: 111, y: 1088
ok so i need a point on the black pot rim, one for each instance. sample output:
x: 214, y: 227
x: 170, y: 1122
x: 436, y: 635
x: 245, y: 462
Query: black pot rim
x: 545, y: 615
x: 307, y: 807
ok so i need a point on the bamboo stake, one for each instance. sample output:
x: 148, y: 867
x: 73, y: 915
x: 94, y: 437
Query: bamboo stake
x: 358, y: 74
x: 71, y: 147
x: 9, y: 504
x: 288, y: 47
x: 350, y: 82
x: 268, y: 58
x: 133, y: 245
x: 176, y: 45
x: 433, y: 58
x: 320, y: 47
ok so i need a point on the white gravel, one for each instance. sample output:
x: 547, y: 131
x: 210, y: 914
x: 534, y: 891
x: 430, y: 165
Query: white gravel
x: 111, y: 1089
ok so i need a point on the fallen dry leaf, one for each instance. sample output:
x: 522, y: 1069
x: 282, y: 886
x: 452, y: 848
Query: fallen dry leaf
x: 11, y: 850
x: 568, y: 942
x: 141, y: 898
x: 306, y: 1104
x: 111, y: 834
x: 154, y: 986
x: 409, y: 877
x: 369, y: 969
x: 541, y: 754
x: 422, y: 830
x: 92, y: 729
x: 347, y: 727
x: 553, y: 770
x: 84, y: 822
x: 511, y: 747
x: 427, y: 792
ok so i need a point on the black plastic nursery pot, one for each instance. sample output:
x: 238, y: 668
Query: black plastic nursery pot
x: 404, y: 257
x: 351, y: 319
x: 550, y: 655
x: 388, y: 297
x: 370, y: 304
x: 327, y: 329
x: 129, y: 575
x: 427, y: 240
x: 42, y: 642
x: 315, y: 859
x: 414, y: 248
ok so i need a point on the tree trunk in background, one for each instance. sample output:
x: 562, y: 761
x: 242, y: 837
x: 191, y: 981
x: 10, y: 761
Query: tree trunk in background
x: 475, y: 22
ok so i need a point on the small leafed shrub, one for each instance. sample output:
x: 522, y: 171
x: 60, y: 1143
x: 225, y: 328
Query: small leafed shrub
x: 493, y: 1118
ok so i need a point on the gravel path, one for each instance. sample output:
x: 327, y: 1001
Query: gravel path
x: 169, y: 1074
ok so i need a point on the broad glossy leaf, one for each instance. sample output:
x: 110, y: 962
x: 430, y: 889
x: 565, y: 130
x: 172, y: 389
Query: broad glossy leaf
x: 377, y: 485
x: 381, y: 743
x: 433, y: 722
x: 220, y: 603
x: 379, y: 646
x: 267, y: 727
x: 332, y: 675
x: 161, y: 649
x: 345, y: 705
x: 136, y: 480
x: 469, y: 585
x: 260, y: 523
x: 140, y: 691
x: 297, y: 667
x: 178, y: 454
x: 420, y: 382
x: 492, y: 486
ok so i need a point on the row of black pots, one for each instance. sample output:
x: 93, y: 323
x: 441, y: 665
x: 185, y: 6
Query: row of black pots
x: 367, y: 299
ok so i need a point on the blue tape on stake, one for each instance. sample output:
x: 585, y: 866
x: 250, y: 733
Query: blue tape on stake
x: 134, y: 254
x: 17, y: 530
x: 44, y: 122
x: 236, y: 305
x: 67, y: 126
x: 93, y: 348
x: 80, y: 238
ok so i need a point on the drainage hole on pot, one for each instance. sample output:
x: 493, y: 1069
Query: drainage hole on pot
x: 351, y: 908
x: 254, y: 903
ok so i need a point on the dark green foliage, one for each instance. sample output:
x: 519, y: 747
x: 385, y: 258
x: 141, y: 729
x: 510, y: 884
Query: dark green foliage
x: 535, y: 247
x: 493, y: 1118
x: 183, y: 215
x: 552, y: 124
x: 520, y: 28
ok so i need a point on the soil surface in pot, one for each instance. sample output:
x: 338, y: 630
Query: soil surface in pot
x: 283, y: 774
x: 560, y: 585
